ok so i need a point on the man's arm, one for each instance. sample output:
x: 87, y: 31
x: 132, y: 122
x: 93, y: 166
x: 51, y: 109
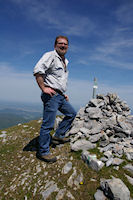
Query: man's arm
x: 45, y: 89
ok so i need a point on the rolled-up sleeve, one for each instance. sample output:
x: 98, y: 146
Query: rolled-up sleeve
x: 43, y: 64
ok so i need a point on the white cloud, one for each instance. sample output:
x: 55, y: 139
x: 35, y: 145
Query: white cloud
x: 51, y: 14
x: 116, y: 43
x: 16, y: 86
x: 114, y: 52
x: 125, y: 13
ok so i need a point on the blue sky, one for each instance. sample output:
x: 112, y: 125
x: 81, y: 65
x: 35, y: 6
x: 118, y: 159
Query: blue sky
x: 101, y: 45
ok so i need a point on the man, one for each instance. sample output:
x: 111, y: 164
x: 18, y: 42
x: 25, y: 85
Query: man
x: 51, y: 75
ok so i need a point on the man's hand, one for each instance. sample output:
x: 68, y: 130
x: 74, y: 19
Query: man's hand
x: 40, y: 81
x: 66, y: 97
x: 49, y: 91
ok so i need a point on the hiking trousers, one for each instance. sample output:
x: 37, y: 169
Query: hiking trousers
x: 50, y: 107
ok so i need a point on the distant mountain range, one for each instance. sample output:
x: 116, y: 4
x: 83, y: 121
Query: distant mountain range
x: 14, y: 113
x: 11, y: 117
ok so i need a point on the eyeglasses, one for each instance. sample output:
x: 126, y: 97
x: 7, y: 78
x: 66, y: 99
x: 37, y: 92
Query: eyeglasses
x: 61, y: 43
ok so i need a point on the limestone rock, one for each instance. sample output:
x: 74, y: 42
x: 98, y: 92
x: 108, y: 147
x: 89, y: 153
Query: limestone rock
x: 56, y: 123
x: 115, y: 189
x: 50, y: 188
x: 61, y: 194
x: 67, y: 168
x: 129, y: 179
x: 70, y: 196
x: 99, y: 195
x: 92, y: 161
x: 117, y: 161
x: 129, y: 168
x: 94, y: 113
x: 82, y: 144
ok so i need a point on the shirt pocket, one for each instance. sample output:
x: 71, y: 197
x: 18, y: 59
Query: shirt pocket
x: 58, y: 71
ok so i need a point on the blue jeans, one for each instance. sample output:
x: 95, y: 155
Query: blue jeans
x: 50, y: 107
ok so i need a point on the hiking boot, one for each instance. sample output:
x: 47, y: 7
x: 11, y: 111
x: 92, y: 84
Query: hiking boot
x: 61, y: 140
x: 47, y: 158
x: 55, y: 142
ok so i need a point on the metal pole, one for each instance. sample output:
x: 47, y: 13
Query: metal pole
x: 94, y: 88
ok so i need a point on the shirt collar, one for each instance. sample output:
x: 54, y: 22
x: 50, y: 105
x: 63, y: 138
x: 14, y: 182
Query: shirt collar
x: 56, y: 54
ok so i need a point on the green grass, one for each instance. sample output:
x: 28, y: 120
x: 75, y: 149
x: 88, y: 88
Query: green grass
x: 17, y: 164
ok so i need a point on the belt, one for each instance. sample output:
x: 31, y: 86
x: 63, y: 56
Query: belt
x: 59, y: 92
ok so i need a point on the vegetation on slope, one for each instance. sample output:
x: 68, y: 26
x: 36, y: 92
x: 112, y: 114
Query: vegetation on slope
x: 23, y: 176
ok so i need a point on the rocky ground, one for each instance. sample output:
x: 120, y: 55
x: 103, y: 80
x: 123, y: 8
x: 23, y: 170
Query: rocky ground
x: 23, y: 176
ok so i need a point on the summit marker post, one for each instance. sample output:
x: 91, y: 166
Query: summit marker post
x: 94, y: 88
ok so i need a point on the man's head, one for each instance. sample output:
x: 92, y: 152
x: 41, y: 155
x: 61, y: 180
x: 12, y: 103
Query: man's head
x: 61, y: 45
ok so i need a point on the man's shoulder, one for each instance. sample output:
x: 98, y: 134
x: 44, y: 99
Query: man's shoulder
x: 49, y: 54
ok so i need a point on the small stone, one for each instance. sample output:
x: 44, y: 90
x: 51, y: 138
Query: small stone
x: 3, y: 132
x: 70, y: 196
x: 38, y: 169
x: 129, y: 153
x: 3, y: 135
x: 92, y: 161
x: 67, y: 168
x: 95, y: 138
x: 99, y: 195
x: 39, y: 121
x: 109, y: 162
x: 117, y: 161
x: 78, y: 180
x: 94, y: 112
x: 129, y: 179
x: 104, y: 159
x: 71, y: 158
x: 70, y: 181
x: 82, y: 144
x: 25, y: 126
x: 93, y: 180
x: 61, y: 194
x: 45, y: 173
x: 50, y: 188
x: 108, y: 154
x: 19, y: 124
x: 129, y: 168
x: 116, y: 168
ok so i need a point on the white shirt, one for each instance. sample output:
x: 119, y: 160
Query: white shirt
x: 52, y: 68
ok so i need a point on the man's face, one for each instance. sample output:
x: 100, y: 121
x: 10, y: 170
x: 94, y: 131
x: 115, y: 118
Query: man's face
x: 61, y: 46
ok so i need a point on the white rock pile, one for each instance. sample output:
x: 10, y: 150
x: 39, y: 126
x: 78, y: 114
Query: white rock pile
x: 105, y: 120
x: 105, y: 123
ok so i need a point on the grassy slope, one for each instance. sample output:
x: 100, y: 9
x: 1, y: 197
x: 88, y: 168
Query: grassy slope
x: 23, y: 176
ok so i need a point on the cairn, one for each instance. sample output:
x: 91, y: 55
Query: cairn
x: 105, y: 120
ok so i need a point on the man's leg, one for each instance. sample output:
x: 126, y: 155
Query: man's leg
x: 49, y: 115
x: 65, y: 124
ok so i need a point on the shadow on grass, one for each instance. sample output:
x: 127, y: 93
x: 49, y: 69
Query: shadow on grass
x: 32, y: 145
